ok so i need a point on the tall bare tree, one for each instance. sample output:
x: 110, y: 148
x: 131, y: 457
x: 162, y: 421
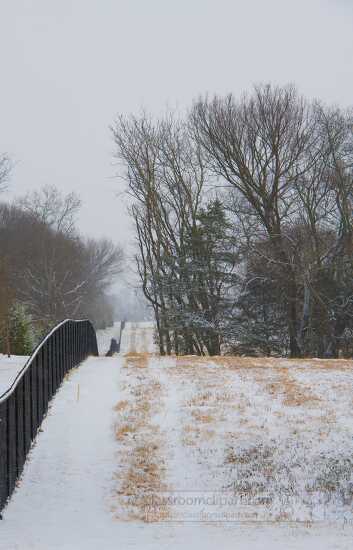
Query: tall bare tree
x: 281, y: 168
x: 50, y: 206
x: 167, y: 177
x: 5, y: 170
x: 259, y: 145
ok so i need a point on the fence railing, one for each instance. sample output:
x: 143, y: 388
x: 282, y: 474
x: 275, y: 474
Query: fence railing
x: 24, y: 405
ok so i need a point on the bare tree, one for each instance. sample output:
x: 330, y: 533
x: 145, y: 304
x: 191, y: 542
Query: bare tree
x: 282, y: 169
x: 50, y: 206
x: 5, y: 169
x: 259, y: 146
x: 7, y: 293
x: 166, y: 175
x: 54, y: 274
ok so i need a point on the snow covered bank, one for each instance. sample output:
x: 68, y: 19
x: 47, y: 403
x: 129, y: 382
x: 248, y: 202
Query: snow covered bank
x: 9, y: 367
x: 144, y: 452
x: 267, y: 440
x: 69, y: 493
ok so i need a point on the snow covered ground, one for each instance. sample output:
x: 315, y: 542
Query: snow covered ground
x: 143, y: 452
x: 9, y: 367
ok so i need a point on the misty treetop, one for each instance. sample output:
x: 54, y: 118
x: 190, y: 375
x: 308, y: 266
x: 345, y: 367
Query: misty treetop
x: 48, y: 272
x: 243, y: 217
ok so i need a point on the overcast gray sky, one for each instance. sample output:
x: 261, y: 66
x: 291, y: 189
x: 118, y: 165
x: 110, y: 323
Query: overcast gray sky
x: 69, y: 66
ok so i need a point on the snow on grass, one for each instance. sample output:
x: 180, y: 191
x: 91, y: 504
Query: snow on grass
x: 228, y: 450
x: 269, y: 437
x: 144, y: 452
x: 9, y: 368
x: 141, y: 465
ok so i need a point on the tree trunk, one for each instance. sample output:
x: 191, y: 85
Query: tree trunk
x: 304, y: 320
x: 160, y: 332
x: 294, y: 349
x: 332, y: 349
x: 8, y: 344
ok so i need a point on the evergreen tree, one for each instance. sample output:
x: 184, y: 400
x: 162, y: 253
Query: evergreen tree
x: 197, y: 285
x: 22, y: 336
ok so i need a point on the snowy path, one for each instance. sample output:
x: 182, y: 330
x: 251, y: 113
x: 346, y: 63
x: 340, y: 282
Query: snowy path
x: 138, y: 338
x: 122, y: 431
x: 67, y: 478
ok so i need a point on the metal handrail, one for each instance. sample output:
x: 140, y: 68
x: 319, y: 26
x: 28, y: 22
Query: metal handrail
x: 25, y: 403
x: 35, y: 352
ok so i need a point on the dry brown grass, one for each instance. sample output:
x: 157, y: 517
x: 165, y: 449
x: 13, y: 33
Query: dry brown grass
x: 293, y: 393
x: 189, y: 360
x: 133, y: 359
x: 341, y: 365
x: 200, y: 416
x: 206, y: 407
x: 142, y: 449
x: 199, y: 399
x: 193, y: 434
x: 121, y: 405
x: 144, y: 473
x: 123, y: 430
x: 235, y: 362
x: 143, y: 453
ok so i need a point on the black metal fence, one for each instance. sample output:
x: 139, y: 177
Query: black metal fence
x: 25, y: 403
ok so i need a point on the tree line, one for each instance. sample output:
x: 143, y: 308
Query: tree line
x: 243, y: 218
x: 48, y: 271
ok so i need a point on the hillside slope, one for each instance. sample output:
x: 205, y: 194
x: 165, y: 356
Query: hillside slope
x: 144, y: 452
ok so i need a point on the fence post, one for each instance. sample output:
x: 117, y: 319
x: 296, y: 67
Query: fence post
x: 3, y: 454
x: 39, y: 381
x: 11, y: 434
x: 20, y: 446
x: 45, y: 379
x: 27, y: 413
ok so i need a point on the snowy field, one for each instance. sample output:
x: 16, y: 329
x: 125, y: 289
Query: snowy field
x: 273, y: 437
x: 143, y: 452
x: 9, y: 367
